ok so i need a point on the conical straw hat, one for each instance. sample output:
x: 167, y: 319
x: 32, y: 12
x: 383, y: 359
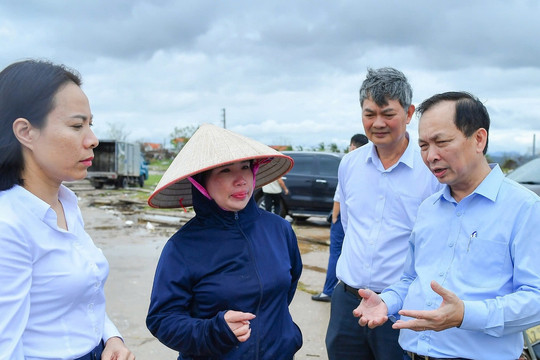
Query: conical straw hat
x: 210, y: 147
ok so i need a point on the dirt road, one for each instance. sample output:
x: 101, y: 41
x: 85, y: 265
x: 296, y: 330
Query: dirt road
x: 132, y: 245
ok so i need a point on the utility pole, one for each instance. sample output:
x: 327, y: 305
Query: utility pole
x: 534, y: 145
x: 224, y: 119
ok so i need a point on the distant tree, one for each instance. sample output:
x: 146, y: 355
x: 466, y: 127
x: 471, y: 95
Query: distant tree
x: 321, y: 147
x: 299, y: 148
x: 333, y: 148
x: 509, y: 164
x: 117, y: 132
x: 180, y: 136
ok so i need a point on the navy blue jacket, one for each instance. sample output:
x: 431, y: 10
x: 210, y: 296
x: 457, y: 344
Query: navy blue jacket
x: 221, y: 260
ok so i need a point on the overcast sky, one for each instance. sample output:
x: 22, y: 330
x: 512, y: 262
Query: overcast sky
x: 287, y: 72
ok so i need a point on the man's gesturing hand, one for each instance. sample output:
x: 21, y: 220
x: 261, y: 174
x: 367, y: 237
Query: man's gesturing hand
x: 372, y: 311
x: 449, y: 314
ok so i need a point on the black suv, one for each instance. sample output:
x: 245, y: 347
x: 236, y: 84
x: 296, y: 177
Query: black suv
x: 311, y: 182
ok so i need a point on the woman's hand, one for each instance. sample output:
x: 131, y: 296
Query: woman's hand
x: 239, y: 323
x: 115, y: 349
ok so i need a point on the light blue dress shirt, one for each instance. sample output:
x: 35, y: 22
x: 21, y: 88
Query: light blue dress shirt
x: 485, y: 249
x: 52, y: 303
x: 378, y: 209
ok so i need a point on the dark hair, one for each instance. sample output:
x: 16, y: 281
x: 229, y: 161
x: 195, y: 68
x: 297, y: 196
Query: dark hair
x: 27, y: 90
x: 386, y: 83
x: 359, y: 140
x: 471, y: 114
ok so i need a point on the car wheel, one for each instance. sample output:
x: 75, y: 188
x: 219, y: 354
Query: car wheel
x: 122, y: 182
x: 260, y: 202
x: 141, y: 180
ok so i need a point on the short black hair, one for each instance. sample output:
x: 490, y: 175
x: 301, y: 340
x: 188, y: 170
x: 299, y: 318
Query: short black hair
x: 471, y: 114
x: 359, y: 140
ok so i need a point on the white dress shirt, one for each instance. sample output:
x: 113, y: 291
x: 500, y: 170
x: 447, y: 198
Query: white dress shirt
x: 52, y: 303
x: 378, y: 210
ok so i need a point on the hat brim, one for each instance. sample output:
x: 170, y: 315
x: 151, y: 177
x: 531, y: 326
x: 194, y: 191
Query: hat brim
x: 208, y: 148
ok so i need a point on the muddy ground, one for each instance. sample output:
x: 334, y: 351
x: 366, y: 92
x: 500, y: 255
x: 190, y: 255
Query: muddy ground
x: 132, y: 238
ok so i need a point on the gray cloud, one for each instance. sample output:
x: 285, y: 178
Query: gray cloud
x: 285, y: 71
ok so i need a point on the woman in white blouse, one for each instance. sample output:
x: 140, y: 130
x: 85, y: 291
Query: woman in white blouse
x: 52, y: 302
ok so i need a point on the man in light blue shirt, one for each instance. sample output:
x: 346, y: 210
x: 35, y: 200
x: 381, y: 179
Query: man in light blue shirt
x: 381, y: 184
x: 471, y: 282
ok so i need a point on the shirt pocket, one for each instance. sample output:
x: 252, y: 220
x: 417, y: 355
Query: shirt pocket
x: 483, y: 262
x: 404, y: 208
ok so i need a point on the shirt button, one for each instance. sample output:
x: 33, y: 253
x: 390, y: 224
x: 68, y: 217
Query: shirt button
x: 441, y: 273
x: 451, y: 244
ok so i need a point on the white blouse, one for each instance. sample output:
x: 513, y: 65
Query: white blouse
x: 52, y: 302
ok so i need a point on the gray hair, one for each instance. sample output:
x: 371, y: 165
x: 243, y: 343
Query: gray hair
x: 386, y: 84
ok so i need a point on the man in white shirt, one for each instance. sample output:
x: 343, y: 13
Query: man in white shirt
x: 471, y: 280
x: 381, y: 186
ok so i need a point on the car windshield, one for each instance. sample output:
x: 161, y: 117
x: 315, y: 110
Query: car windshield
x: 529, y: 173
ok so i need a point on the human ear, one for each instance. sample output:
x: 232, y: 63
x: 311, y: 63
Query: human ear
x: 24, y: 132
x: 481, y: 139
x: 410, y: 112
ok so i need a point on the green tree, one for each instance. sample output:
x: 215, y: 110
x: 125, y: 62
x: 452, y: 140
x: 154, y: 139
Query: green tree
x: 333, y: 148
x: 180, y: 136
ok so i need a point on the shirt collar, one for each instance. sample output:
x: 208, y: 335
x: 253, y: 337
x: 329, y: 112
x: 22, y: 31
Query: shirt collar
x: 407, y: 158
x: 34, y: 204
x: 488, y: 188
x: 40, y: 208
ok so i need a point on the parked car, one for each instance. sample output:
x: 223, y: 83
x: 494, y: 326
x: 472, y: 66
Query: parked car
x: 312, y: 183
x: 528, y: 175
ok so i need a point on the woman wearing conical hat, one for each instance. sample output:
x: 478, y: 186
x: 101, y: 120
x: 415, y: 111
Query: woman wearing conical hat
x: 225, y: 280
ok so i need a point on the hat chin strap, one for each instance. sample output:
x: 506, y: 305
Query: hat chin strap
x: 202, y: 190
x: 255, y: 167
x: 199, y: 187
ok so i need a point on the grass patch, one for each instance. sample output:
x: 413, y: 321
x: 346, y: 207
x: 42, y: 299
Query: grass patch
x: 302, y: 287
x: 152, y: 181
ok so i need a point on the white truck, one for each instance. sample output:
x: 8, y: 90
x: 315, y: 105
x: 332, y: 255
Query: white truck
x: 117, y: 163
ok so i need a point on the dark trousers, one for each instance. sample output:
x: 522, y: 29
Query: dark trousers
x: 94, y: 354
x: 336, y: 241
x: 347, y: 340
x: 272, y: 200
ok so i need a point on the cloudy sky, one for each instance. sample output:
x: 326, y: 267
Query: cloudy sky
x: 286, y: 72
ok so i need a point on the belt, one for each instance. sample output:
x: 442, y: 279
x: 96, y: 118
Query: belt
x: 353, y: 290
x: 94, y: 354
x: 415, y: 356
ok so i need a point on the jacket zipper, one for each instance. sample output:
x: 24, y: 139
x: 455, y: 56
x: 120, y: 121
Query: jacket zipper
x: 250, y: 246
